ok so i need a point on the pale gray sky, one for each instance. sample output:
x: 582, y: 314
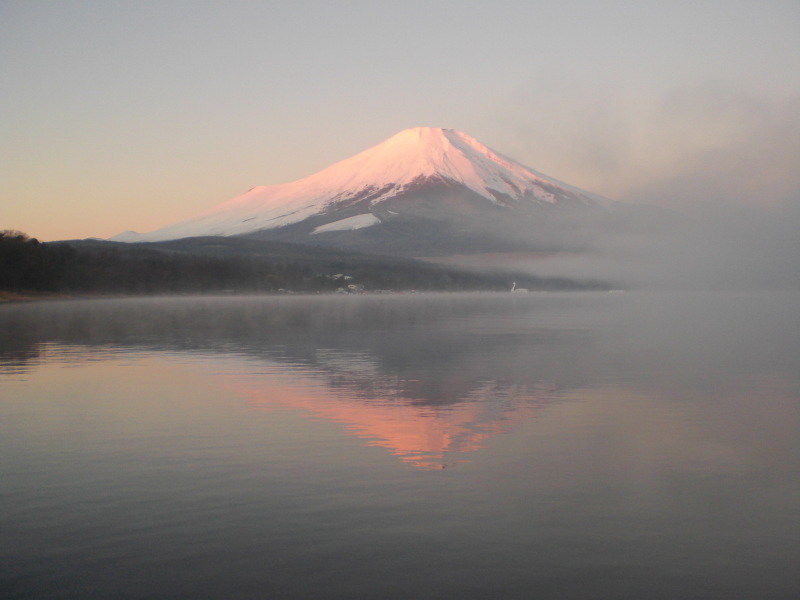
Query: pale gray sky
x: 131, y: 115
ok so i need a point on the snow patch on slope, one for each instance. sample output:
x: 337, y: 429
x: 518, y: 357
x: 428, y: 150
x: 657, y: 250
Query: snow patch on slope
x: 349, y: 224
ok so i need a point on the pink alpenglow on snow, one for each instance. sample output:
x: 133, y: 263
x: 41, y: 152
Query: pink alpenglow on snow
x: 380, y: 173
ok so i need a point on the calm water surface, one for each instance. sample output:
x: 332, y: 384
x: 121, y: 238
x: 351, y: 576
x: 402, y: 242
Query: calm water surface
x: 493, y: 446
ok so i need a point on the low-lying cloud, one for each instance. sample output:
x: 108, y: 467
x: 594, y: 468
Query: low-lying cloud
x: 724, y: 159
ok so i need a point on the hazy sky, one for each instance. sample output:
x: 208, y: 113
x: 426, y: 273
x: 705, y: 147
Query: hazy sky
x: 120, y: 115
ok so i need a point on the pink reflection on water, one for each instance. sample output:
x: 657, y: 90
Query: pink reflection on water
x: 425, y: 436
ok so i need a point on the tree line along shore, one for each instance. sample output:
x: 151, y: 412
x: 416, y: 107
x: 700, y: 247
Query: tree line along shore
x: 31, y: 269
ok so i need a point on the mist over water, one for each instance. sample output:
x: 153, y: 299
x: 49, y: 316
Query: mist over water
x: 733, y: 249
x: 591, y: 445
x: 719, y: 156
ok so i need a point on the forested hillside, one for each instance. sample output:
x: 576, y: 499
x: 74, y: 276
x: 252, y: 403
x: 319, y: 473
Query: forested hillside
x: 207, y: 265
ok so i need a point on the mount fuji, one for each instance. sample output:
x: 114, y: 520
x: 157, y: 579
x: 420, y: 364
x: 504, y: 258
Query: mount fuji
x: 423, y: 192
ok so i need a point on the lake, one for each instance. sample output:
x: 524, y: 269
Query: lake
x: 569, y: 446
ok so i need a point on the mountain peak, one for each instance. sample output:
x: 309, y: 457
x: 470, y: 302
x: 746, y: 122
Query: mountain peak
x: 392, y: 170
x: 424, y: 136
x: 427, y: 139
x: 423, y: 152
x: 420, y: 132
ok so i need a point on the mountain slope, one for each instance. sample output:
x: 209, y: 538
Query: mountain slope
x: 424, y: 187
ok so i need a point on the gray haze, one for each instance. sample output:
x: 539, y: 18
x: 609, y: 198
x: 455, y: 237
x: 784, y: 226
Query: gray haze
x: 722, y: 157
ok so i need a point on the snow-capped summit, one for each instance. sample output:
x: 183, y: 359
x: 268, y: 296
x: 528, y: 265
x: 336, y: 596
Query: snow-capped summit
x: 446, y: 153
x: 417, y: 178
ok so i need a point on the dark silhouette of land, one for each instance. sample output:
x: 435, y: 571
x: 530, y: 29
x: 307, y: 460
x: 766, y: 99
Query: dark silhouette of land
x: 240, y: 265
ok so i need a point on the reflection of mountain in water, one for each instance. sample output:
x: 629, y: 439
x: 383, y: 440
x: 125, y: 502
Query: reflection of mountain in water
x: 426, y: 377
x: 384, y: 409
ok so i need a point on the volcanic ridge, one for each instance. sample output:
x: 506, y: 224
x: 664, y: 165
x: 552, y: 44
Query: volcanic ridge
x: 424, y: 191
